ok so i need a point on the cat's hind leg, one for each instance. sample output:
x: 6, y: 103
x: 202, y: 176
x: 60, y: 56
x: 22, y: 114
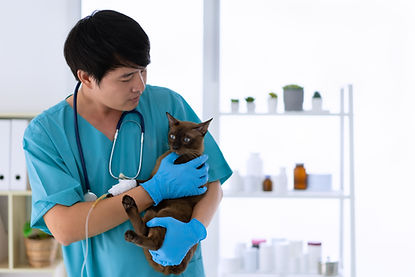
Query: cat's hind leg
x: 142, y: 241
x: 134, y: 215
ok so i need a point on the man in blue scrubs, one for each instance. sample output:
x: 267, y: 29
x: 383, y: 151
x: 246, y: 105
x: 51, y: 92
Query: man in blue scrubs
x: 108, y: 53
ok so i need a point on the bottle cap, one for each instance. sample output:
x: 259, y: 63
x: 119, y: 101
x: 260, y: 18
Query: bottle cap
x: 258, y: 241
x: 314, y: 243
x: 300, y: 164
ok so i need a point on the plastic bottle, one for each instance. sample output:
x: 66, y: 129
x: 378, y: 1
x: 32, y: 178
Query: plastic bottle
x: 267, y: 184
x: 300, y: 177
x: 254, y: 172
x: 314, y: 256
x: 282, y: 184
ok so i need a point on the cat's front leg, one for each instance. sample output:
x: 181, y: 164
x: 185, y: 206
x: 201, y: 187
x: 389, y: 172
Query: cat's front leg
x: 133, y: 214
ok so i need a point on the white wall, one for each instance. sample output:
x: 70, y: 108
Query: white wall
x: 33, y: 71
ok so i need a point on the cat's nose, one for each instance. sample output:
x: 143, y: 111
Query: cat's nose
x: 175, y: 147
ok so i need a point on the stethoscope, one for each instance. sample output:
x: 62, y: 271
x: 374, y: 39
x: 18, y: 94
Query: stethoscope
x: 90, y: 196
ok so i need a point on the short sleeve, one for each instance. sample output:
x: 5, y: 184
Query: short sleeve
x: 49, y: 177
x: 218, y: 167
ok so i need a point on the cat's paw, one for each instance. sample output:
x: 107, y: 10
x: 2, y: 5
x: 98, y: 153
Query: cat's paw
x: 128, y: 202
x: 130, y: 235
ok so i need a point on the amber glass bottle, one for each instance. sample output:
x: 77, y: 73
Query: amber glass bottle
x: 300, y: 177
x: 267, y: 184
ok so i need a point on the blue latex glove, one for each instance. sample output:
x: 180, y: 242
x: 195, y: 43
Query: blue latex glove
x: 179, y: 238
x: 177, y: 180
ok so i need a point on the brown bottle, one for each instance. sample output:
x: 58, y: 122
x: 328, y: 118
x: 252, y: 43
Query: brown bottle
x: 300, y: 177
x: 267, y: 184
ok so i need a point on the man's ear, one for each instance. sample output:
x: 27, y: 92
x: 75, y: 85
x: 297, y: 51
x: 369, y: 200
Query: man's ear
x: 86, y: 79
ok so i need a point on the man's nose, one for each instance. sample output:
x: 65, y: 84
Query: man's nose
x: 139, y: 84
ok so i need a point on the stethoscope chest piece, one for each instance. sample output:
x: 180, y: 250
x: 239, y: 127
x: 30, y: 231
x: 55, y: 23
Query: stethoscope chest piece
x: 90, y: 196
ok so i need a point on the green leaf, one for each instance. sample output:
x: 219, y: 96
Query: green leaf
x: 295, y: 87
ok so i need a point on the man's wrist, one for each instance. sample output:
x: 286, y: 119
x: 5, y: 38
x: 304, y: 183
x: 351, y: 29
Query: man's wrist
x: 150, y: 187
x: 199, y: 229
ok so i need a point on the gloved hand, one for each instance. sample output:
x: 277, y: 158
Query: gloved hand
x: 177, y: 180
x: 179, y: 238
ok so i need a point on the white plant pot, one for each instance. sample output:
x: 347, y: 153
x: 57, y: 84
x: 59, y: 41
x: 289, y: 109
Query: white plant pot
x: 272, y: 105
x: 316, y: 105
x: 235, y: 107
x: 250, y: 107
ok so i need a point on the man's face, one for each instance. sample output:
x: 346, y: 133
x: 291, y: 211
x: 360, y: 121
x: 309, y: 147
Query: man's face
x: 121, y: 88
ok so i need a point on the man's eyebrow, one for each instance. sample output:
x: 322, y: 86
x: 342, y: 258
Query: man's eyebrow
x: 131, y: 73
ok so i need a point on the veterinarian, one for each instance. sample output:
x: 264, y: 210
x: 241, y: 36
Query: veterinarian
x: 71, y: 154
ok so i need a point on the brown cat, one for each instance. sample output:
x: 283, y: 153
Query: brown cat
x: 188, y: 145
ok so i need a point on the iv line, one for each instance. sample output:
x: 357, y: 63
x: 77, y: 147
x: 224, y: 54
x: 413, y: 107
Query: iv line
x: 86, y: 231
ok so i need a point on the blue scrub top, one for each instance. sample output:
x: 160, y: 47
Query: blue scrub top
x: 56, y: 176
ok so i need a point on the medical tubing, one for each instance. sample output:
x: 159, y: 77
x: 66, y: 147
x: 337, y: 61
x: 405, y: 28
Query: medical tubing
x: 86, y: 231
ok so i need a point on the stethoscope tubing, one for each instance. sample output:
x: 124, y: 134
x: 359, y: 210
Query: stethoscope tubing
x: 119, y: 124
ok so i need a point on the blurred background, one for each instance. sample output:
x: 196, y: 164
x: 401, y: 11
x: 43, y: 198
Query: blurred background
x: 262, y: 46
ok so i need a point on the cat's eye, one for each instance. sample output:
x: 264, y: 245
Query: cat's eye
x: 172, y: 136
x: 186, y: 139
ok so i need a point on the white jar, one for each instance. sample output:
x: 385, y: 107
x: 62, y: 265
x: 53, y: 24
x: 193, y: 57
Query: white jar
x: 254, y: 165
x: 266, y: 257
x: 250, y: 259
x: 314, y: 256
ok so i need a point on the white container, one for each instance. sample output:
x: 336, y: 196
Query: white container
x: 231, y: 265
x: 235, y: 107
x: 254, y: 165
x: 272, y: 105
x: 235, y: 182
x: 282, y: 183
x: 319, y: 182
x: 252, y: 184
x: 314, y: 256
x: 281, y: 257
x: 266, y: 257
x: 296, y: 254
x: 316, y: 104
x: 250, y: 107
x: 240, y: 248
x: 250, y: 259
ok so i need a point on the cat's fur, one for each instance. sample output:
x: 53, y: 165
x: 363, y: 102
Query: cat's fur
x: 180, y: 208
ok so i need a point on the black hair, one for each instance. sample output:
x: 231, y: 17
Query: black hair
x: 106, y: 40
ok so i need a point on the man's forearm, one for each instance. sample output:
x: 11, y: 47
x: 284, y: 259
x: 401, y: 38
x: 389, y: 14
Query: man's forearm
x: 67, y: 224
x: 206, y: 208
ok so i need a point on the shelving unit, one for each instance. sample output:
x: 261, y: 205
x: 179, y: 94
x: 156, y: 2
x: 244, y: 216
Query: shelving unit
x: 345, y: 192
x: 18, y: 205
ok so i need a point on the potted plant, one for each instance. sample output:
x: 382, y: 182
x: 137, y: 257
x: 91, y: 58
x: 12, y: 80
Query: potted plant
x: 272, y: 102
x: 41, y: 248
x: 250, y: 104
x: 234, y: 105
x: 316, y: 102
x: 293, y: 98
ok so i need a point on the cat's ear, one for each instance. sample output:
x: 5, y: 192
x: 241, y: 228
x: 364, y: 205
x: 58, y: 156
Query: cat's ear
x: 172, y: 120
x: 203, y: 127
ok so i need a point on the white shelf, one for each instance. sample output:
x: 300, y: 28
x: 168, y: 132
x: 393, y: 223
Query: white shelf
x: 28, y: 269
x: 260, y: 274
x: 18, y: 115
x: 16, y: 193
x: 303, y: 113
x: 289, y: 194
